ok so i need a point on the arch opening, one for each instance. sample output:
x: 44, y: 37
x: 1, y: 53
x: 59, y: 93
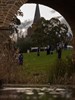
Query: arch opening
x: 37, y: 74
x: 5, y: 24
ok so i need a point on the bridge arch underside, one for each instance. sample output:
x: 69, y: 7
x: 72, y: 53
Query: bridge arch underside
x: 9, y: 7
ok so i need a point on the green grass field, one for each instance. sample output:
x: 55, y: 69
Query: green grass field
x: 32, y: 62
x: 41, y: 69
x: 37, y: 69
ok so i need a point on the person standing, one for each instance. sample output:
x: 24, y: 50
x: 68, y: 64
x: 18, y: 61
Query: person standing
x: 20, y: 58
x: 38, y: 51
x: 59, y: 51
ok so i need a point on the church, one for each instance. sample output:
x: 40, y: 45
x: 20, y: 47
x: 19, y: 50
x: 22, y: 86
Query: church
x: 36, y: 19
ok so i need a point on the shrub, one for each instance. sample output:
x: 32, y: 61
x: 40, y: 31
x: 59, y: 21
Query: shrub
x: 61, y: 71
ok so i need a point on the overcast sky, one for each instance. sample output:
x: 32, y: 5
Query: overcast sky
x: 46, y: 12
x: 29, y: 11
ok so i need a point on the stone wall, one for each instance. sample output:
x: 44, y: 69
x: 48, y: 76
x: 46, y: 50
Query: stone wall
x: 7, y: 55
x: 7, y: 10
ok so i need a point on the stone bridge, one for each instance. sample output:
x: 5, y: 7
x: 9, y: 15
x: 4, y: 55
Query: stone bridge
x: 9, y: 7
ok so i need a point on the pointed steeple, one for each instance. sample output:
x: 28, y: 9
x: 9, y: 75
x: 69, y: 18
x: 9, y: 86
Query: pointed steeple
x: 37, y: 14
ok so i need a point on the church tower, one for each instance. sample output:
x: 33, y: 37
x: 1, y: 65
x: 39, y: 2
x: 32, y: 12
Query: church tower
x: 37, y: 14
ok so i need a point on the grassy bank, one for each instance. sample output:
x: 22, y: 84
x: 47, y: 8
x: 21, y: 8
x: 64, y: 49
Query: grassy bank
x: 35, y: 63
x: 41, y: 69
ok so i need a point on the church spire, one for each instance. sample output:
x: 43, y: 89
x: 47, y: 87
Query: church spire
x: 37, y: 14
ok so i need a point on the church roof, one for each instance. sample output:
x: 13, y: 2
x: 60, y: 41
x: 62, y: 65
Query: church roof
x: 37, y: 14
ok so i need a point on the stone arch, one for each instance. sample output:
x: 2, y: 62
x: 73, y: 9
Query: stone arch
x: 9, y: 7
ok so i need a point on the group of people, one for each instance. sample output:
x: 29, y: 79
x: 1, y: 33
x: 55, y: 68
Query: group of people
x: 50, y: 51
x: 19, y: 56
x: 58, y: 49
